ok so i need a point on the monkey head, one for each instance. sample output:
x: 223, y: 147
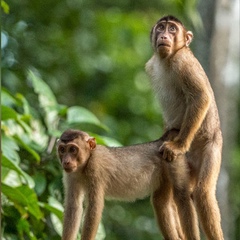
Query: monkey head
x: 169, y: 35
x: 74, y: 148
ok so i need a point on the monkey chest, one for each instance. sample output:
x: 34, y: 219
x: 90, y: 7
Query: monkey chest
x: 172, y: 101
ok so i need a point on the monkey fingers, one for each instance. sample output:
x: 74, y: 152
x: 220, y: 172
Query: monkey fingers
x: 169, y: 151
x: 167, y: 154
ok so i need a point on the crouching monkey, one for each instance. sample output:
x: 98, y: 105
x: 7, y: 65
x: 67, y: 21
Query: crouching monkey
x: 93, y: 172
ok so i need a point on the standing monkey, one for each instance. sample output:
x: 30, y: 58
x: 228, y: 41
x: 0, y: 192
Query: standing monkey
x: 188, y: 105
x: 93, y: 172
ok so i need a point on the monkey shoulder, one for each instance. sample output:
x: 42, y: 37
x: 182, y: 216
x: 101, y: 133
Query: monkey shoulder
x: 183, y: 60
x: 189, y: 72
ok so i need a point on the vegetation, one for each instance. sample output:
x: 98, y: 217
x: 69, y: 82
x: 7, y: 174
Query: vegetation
x: 76, y: 64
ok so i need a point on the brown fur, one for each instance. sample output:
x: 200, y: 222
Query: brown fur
x: 94, y: 172
x: 188, y: 104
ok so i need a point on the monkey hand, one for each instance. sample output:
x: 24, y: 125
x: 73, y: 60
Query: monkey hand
x: 170, y: 150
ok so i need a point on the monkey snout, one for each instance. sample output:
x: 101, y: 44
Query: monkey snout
x: 66, y: 163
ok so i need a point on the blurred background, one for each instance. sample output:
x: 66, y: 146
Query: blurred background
x: 80, y: 64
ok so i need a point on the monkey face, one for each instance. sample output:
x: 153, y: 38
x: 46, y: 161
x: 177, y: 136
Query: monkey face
x: 74, y: 148
x: 69, y: 155
x: 168, y: 36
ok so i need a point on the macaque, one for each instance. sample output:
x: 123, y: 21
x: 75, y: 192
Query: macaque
x: 188, y: 104
x: 94, y: 172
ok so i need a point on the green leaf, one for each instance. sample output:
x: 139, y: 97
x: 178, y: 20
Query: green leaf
x: 52, y: 209
x: 5, y: 7
x: 8, y: 113
x: 106, y: 140
x: 24, y: 102
x: 56, y: 204
x: 7, y: 98
x: 56, y: 214
x: 11, y: 177
x: 57, y: 224
x: 45, y: 94
x: 47, y: 101
x: 78, y: 115
x: 28, y: 148
x: 24, y: 196
x: 101, y: 234
x: 13, y: 166
x: 10, y: 148
x: 23, y: 226
x: 40, y: 183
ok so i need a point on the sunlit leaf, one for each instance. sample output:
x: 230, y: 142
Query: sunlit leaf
x: 47, y: 101
x: 10, y: 148
x: 25, y: 103
x: 8, y: 113
x: 101, y: 234
x: 5, y: 6
x: 11, y: 177
x: 78, y: 115
x: 54, y: 210
x: 24, y: 226
x: 45, y: 94
x: 106, y: 141
x: 57, y: 224
x: 13, y: 166
x: 28, y: 148
x: 7, y: 98
x: 25, y: 196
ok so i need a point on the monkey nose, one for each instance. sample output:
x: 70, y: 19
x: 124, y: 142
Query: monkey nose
x: 66, y: 163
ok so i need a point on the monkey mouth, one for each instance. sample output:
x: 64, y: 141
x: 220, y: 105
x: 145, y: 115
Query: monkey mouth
x: 69, y: 169
x: 163, y: 45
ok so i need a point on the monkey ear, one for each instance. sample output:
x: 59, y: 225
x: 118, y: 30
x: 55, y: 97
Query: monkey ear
x: 189, y: 37
x: 92, y: 142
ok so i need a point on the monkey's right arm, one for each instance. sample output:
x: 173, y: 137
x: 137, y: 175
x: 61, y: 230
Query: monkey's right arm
x: 73, y: 209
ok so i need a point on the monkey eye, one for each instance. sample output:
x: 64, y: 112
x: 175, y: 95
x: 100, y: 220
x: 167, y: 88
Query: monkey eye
x: 73, y: 150
x: 172, y: 28
x: 160, y: 28
x: 61, y: 150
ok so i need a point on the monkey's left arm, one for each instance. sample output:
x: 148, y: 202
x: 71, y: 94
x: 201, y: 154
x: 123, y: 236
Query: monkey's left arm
x: 198, y: 99
x: 94, y: 211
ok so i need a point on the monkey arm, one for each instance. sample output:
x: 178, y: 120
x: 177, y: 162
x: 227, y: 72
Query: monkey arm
x: 73, y: 209
x: 193, y: 118
x: 198, y: 100
x: 197, y: 97
x: 93, y: 212
x: 196, y: 111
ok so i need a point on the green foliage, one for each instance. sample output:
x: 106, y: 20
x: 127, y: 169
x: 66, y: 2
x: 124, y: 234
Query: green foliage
x: 234, y: 191
x: 5, y: 6
x: 91, y: 53
x: 31, y: 177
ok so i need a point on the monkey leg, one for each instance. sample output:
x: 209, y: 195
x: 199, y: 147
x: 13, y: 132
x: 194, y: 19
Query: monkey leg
x: 180, y: 178
x: 187, y: 213
x: 205, y: 193
x: 166, y: 212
